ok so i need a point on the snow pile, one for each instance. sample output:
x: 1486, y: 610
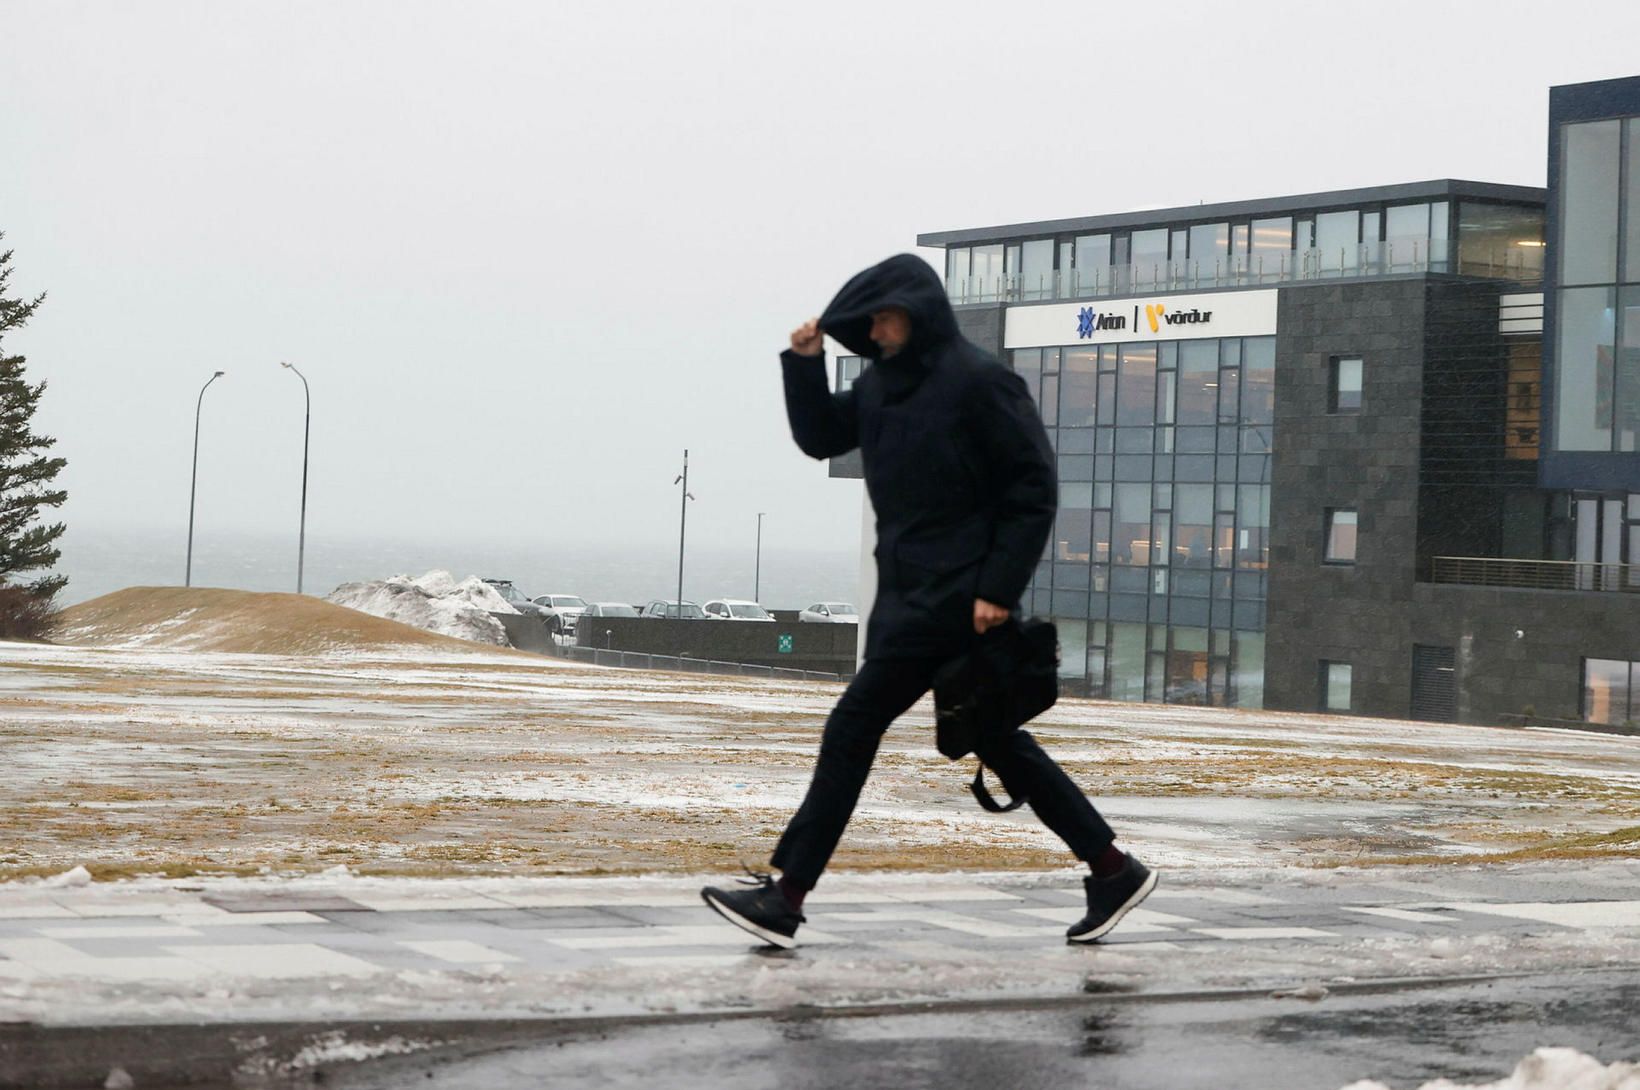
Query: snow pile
x: 69, y: 879
x: 434, y: 601
x: 1544, y: 1069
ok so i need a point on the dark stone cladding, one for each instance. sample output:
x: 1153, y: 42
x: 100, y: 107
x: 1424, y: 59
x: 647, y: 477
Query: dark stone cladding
x: 1433, y: 360
x: 1538, y: 674
x: 1361, y: 613
x: 984, y: 326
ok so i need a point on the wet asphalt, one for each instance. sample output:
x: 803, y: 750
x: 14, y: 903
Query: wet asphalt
x: 1472, y: 1033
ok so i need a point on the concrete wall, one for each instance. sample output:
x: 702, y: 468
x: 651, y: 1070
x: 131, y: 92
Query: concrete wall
x: 824, y: 647
x: 1539, y: 673
x: 1360, y: 614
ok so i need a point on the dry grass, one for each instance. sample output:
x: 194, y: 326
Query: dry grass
x: 459, y: 762
x: 209, y: 619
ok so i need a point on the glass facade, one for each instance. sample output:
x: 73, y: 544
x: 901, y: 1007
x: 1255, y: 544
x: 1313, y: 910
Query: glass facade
x: 1155, y: 570
x: 1493, y: 238
x: 1597, y: 301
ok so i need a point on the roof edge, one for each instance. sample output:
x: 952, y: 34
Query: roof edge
x: 1194, y: 213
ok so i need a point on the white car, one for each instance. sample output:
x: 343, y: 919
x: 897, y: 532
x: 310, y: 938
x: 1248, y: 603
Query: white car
x: 736, y: 609
x: 831, y: 613
x: 562, y: 610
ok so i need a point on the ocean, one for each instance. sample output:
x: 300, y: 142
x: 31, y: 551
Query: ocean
x: 98, y: 561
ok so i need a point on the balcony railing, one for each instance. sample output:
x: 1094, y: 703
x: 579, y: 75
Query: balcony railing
x: 1395, y: 258
x: 1538, y: 574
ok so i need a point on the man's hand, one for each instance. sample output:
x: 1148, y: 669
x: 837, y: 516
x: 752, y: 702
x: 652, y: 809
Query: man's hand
x: 807, y: 340
x: 987, y: 615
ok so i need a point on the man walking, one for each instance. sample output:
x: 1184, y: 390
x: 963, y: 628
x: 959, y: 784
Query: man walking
x: 962, y: 481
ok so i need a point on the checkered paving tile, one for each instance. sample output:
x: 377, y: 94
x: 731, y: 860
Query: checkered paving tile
x: 274, y: 935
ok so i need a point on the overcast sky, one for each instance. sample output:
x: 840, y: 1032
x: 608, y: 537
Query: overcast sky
x: 526, y: 253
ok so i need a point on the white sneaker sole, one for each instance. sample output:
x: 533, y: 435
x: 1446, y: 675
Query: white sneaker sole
x: 773, y: 938
x: 1116, y: 917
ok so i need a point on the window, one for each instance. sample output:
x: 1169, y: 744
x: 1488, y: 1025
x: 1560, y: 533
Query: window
x: 1344, y: 385
x: 1406, y: 236
x: 1588, y: 202
x: 1340, y: 547
x: 1631, y: 204
x: 1586, y: 360
x: 1209, y: 240
x: 1092, y: 264
x: 848, y: 370
x: 1608, y: 692
x: 1078, y: 387
x: 1036, y: 270
x: 1149, y: 249
x: 1499, y: 240
x: 986, y: 273
x: 1273, y: 236
x: 1337, y: 236
x: 1335, y: 686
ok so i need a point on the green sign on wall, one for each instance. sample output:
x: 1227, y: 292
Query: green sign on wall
x: 785, y: 645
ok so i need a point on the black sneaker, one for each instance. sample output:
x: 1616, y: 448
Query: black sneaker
x: 1109, y: 899
x: 763, y: 910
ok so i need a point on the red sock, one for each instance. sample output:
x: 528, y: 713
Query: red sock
x: 793, y: 892
x: 1110, y: 863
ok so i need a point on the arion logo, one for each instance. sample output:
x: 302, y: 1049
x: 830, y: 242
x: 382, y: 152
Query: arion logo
x: 1088, y: 321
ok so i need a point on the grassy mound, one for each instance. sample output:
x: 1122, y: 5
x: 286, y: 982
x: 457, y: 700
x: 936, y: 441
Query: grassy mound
x: 210, y: 619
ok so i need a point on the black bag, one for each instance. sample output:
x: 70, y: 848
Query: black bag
x: 1009, y: 678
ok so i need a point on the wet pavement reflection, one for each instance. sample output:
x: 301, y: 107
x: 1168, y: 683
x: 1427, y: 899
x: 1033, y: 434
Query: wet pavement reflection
x: 1471, y: 1033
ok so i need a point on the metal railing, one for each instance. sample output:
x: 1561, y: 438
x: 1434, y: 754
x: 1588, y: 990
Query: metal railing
x: 1367, y: 259
x: 1538, y: 574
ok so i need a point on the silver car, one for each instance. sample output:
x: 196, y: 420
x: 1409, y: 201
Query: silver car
x: 561, y: 610
x: 831, y: 613
x: 736, y: 609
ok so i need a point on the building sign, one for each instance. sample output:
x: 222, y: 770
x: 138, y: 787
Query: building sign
x: 1158, y: 318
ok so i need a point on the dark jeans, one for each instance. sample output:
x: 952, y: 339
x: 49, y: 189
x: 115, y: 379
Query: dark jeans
x: 880, y: 692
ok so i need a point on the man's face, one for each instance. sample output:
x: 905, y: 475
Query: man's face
x: 890, y: 330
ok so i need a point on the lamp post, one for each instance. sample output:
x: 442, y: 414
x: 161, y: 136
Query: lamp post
x: 307, y: 417
x: 193, y: 484
x: 757, y: 564
x: 683, y: 519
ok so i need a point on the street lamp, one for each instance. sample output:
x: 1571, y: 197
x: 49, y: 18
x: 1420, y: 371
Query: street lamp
x: 193, y: 485
x: 683, y: 518
x: 307, y: 416
x: 757, y: 565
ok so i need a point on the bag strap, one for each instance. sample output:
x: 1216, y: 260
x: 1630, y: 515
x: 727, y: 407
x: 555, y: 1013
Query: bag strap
x: 986, y: 800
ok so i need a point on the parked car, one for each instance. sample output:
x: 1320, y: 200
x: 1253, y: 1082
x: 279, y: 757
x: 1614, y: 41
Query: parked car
x: 736, y: 609
x: 562, y: 610
x: 670, y: 607
x: 830, y: 613
x: 517, y: 599
x: 610, y: 609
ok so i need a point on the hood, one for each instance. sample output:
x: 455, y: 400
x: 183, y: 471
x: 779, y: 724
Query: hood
x: 904, y: 280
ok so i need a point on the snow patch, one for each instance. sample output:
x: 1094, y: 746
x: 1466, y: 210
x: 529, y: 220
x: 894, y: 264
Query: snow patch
x: 434, y: 601
x: 1544, y: 1069
x: 69, y: 879
x: 334, y: 1047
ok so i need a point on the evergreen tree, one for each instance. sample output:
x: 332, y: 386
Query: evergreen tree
x: 26, y: 474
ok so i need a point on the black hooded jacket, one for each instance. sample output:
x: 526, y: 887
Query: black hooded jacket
x: 957, y: 463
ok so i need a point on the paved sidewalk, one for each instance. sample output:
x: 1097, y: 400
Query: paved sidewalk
x: 340, y: 946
